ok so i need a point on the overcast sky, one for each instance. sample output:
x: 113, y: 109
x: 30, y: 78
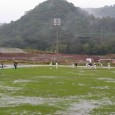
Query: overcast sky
x: 11, y: 10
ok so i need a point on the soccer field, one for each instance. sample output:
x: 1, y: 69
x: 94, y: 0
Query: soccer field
x: 62, y: 91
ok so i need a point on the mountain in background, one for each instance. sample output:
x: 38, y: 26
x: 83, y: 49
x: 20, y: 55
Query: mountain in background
x: 79, y: 32
x: 1, y: 24
x: 107, y: 11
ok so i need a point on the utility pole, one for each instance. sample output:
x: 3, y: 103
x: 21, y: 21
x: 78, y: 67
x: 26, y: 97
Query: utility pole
x: 101, y: 35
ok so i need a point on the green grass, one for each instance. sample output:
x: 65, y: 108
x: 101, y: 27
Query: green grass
x: 45, y: 91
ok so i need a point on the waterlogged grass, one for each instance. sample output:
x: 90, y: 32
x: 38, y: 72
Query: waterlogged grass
x: 62, y: 91
x: 28, y: 110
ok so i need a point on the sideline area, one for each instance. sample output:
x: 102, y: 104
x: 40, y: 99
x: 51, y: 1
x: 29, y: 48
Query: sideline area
x: 32, y: 65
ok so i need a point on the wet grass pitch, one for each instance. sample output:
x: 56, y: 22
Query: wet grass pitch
x: 62, y: 91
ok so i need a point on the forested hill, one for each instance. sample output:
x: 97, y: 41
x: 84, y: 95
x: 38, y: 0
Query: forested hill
x: 1, y: 24
x: 106, y: 11
x: 78, y: 33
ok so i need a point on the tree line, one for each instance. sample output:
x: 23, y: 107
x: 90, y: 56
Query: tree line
x: 79, y: 32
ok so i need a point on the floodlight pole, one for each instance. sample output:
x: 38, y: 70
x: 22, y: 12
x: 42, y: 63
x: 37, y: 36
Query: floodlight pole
x: 57, y: 36
x: 57, y: 23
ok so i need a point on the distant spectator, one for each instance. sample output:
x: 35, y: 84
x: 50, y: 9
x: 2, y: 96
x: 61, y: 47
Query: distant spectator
x: 2, y: 65
x: 101, y: 64
x: 15, y: 65
x: 56, y: 65
x: 75, y: 64
x: 90, y: 64
x: 50, y: 65
x: 94, y: 65
x: 108, y: 65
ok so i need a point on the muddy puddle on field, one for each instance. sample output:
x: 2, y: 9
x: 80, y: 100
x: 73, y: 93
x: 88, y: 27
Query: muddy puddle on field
x: 84, y: 107
x: 73, y: 105
x: 107, y: 79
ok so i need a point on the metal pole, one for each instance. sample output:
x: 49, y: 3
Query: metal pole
x: 101, y: 35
